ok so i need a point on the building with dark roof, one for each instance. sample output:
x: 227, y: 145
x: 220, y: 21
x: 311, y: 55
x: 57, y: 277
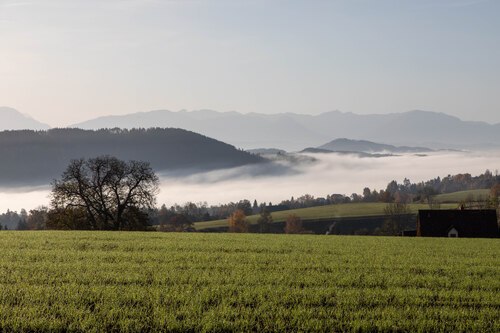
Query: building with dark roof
x: 477, y: 223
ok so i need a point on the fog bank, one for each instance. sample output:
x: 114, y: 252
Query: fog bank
x: 320, y: 175
x: 331, y: 173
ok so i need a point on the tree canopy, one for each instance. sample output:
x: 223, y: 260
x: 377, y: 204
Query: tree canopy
x: 103, y: 193
x: 237, y: 222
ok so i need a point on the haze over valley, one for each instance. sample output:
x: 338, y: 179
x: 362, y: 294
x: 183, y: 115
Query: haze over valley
x: 196, y: 168
x: 298, y: 174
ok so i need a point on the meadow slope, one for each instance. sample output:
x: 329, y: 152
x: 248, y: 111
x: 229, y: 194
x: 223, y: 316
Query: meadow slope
x: 152, y: 282
x: 478, y: 195
x: 325, y: 212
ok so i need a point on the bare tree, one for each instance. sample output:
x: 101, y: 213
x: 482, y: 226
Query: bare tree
x: 112, y: 193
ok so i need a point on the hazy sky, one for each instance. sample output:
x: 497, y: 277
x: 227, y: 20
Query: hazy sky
x: 64, y: 61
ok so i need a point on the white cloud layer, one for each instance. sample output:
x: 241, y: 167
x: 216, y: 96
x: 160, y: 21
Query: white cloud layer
x: 329, y: 174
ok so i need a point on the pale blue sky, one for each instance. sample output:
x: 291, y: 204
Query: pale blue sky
x: 64, y: 61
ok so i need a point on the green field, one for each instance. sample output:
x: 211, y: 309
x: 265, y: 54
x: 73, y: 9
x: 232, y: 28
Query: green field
x: 142, y: 282
x: 324, y: 212
x: 463, y: 195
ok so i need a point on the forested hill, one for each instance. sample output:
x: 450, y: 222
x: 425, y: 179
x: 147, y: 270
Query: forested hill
x: 369, y: 147
x: 37, y: 157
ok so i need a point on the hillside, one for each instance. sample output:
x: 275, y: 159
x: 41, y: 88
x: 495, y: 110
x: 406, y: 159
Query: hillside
x: 291, y: 131
x: 11, y: 119
x: 30, y: 157
x: 460, y: 196
x: 324, y: 213
x: 364, y: 146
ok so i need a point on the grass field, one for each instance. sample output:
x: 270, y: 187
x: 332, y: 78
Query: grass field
x: 463, y: 195
x: 324, y: 212
x: 142, y: 282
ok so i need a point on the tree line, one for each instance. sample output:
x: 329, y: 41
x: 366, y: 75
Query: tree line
x: 424, y: 191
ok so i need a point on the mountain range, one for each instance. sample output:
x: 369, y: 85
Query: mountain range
x: 291, y: 131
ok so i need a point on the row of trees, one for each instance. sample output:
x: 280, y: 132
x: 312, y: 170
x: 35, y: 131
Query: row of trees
x: 35, y: 219
x: 424, y: 191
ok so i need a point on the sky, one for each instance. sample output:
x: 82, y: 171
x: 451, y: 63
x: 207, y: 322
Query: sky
x: 66, y: 61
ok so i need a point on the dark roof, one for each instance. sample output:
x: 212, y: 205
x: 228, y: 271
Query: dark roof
x: 469, y: 223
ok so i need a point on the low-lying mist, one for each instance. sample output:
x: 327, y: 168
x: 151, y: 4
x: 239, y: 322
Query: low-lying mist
x: 319, y: 175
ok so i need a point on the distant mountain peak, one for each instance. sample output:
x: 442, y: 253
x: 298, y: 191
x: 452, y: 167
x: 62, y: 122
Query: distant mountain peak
x: 428, y: 113
x: 11, y: 119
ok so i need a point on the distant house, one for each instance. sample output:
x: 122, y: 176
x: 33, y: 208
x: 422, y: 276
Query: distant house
x: 458, y: 223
